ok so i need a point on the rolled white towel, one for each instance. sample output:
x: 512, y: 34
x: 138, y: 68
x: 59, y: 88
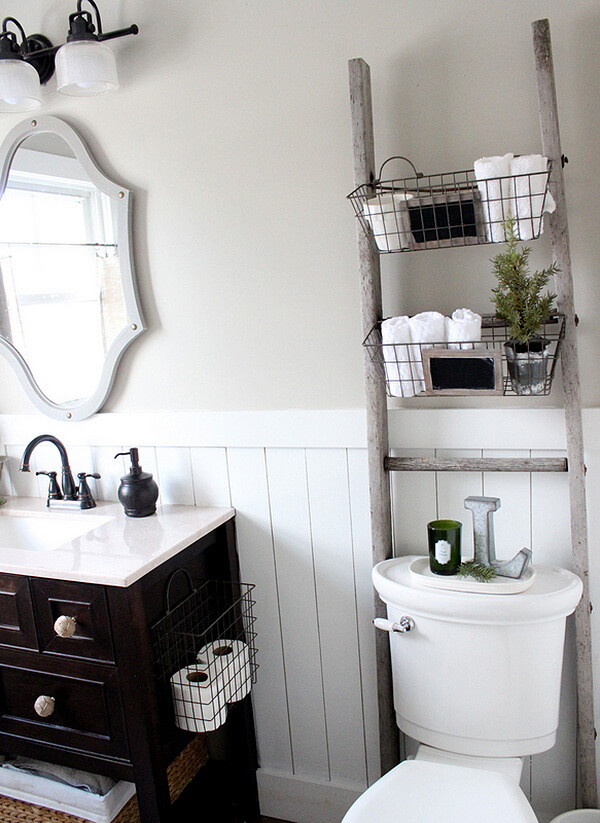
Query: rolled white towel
x: 428, y: 327
x: 494, y: 183
x: 388, y: 217
x: 529, y: 173
x: 395, y: 336
x: 463, y: 329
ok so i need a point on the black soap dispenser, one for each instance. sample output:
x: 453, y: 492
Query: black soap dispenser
x: 138, y: 492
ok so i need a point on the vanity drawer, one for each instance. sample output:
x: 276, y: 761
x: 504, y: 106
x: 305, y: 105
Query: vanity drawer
x: 86, y: 713
x: 83, y: 601
x: 17, y: 624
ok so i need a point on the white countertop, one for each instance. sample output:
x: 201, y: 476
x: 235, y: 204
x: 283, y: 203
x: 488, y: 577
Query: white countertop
x: 115, y: 551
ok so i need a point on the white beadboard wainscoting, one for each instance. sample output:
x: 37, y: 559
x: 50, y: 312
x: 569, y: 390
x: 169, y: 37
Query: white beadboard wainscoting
x: 298, y: 481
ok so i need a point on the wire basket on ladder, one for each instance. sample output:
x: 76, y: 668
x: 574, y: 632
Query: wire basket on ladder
x: 451, y: 209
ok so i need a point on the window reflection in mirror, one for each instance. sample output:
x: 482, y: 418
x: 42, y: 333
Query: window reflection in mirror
x: 61, y: 296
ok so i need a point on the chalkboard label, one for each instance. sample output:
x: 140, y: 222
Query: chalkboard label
x: 430, y: 222
x: 443, y: 217
x: 462, y: 372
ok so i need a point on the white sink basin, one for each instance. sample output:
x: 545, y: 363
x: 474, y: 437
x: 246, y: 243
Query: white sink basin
x: 41, y: 532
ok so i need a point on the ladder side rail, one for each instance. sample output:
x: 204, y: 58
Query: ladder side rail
x: 587, y: 794
x: 376, y: 403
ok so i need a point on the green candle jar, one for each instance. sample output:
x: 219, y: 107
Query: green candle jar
x: 444, y: 546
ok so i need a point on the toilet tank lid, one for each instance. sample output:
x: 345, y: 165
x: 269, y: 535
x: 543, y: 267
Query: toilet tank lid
x: 554, y: 594
x: 425, y: 792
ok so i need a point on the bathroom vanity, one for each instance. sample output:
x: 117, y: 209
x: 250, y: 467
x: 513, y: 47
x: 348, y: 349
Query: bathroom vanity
x: 110, y: 714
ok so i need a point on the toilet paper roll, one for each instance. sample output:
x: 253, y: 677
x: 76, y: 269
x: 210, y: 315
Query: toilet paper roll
x: 228, y: 660
x: 198, y: 698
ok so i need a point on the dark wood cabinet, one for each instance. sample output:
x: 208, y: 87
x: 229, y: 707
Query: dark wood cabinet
x: 109, y: 714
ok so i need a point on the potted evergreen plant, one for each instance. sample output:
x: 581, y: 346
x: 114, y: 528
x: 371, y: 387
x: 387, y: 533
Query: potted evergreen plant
x: 520, y: 301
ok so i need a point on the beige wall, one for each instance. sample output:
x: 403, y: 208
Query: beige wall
x: 232, y: 129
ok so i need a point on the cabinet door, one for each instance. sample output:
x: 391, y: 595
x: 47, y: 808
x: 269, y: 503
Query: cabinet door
x: 17, y: 625
x: 86, y: 716
x: 83, y: 601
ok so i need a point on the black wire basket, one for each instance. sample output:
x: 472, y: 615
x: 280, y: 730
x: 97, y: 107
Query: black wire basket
x: 205, y: 651
x: 450, y: 209
x: 493, y: 365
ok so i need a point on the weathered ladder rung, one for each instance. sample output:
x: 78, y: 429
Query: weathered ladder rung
x: 476, y: 464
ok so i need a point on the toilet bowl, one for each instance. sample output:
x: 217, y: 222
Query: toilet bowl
x: 437, y: 790
x: 476, y: 682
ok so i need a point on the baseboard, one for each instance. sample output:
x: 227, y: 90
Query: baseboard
x: 300, y: 800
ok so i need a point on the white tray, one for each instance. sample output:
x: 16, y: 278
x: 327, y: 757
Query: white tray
x: 51, y: 794
x: 422, y: 575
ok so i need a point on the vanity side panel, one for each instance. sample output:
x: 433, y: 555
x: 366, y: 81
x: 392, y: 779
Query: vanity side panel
x: 133, y: 653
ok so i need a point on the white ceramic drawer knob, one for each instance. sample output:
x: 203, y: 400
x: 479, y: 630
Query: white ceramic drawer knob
x: 65, y: 626
x: 44, y: 705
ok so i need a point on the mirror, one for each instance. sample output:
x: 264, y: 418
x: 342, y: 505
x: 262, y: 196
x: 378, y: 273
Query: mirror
x: 68, y: 300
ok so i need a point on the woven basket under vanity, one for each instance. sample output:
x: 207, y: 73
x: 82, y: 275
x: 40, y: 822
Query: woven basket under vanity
x: 181, y: 771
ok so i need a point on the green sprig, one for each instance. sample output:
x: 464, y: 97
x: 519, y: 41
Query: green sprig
x: 469, y: 568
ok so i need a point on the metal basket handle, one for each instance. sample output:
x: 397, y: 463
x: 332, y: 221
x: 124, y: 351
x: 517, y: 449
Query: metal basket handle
x: 418, y: 174
x: 169, y: 583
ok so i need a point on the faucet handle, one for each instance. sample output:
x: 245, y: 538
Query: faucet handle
x: 54, y: 492
x: 84, y: 494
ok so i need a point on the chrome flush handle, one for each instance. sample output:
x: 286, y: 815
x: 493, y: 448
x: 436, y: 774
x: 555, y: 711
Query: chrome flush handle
x: 402, y: 626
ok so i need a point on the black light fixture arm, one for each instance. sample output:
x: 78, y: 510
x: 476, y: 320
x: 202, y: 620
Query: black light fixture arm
x: 110, y: 35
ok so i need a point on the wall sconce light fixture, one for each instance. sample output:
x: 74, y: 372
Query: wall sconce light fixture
x: 84, y: 66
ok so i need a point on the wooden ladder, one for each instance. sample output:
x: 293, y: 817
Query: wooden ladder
x: 380, y: 463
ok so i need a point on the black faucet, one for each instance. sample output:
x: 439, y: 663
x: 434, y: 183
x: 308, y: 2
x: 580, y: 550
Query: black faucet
x: 69, y: 490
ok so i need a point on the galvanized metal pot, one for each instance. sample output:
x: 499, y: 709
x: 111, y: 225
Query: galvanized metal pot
x: 528, y: 365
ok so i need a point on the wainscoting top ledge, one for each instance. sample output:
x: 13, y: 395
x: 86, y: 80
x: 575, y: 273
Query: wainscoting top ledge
x: 345, y: 428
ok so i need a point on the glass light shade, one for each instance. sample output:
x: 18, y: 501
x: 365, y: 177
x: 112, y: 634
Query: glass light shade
x: 19, y: 86
x: 85, y: 68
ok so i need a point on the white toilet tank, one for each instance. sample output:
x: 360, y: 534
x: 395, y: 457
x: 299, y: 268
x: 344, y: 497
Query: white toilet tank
x: 479, y: 674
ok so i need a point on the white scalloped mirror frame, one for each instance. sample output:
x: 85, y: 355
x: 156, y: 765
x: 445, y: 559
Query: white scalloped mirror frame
x: 120, y: 199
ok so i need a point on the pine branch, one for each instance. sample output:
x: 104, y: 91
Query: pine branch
x: 469, y: 568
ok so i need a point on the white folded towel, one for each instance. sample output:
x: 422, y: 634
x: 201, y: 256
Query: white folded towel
x: 428, y: 327
x: 396, y: 358
x: 86, y: 781
x: 388, y: 217
x: 529, y: 173
x: 463, y: 329
x: 494, y: 183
